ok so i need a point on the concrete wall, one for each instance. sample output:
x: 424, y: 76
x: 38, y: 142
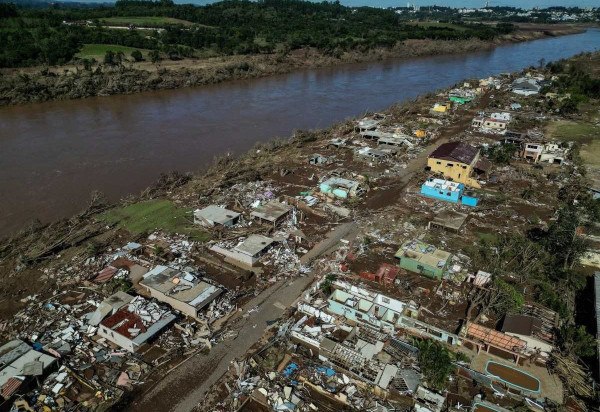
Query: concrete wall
x: 446, y: 195
x: 421, y: 268
x: 458, y: 172
x: 117, y: 339
x: 174, y: 303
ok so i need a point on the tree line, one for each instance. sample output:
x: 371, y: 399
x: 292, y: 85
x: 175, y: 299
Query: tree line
x: 32, y: 36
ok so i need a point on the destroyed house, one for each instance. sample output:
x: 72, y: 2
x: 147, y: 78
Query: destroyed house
x: 529, y: 329
x: 20, y: 366
x: 372, y: 154
x: 341, y: 188
x: 317, y: 159
x: 183, y: 291
x: 368, y: 124
x: 273, y: 212
x: 526, y: 86
x: 456, y: 161
x: 248, y: 252
x: 486, y: 339
x: 109, y: 306
x: 216, y: 216
x: 448, y: 191
x: 385, y: 275
x: 135, y: 324
x: 359, y: 362
x: 362, y: 306
x: 424, y: 259
x: 461, y: 96
x: 395, y: 141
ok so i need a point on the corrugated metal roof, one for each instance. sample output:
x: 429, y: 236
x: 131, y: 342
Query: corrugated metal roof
x: 105, y: 274
x: 456, y: 151
x: 521, y: 324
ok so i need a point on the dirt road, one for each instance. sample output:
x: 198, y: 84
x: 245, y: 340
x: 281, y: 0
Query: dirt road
x: 186, y: 386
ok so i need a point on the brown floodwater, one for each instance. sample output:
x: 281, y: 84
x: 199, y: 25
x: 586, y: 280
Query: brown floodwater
x: 53, y: 155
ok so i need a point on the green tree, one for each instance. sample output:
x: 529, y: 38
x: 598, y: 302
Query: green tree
x: 154, y: 56
x: 109, y: 57
x: 574, y: 339
x: 137, y: 55
x: 435, y: 362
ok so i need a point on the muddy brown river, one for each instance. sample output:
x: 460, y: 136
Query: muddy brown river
x: 52, y: 155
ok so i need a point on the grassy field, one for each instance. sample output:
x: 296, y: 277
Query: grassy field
x: 97, y: 51
x: 582, y: 132
x: 145, y: 217
x: 149, y: 21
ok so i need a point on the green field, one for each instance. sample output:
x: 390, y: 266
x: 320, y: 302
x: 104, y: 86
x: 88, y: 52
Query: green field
x: 151, y: 215
x: 582, y: 132
x: 97, y: 51
x: 149, y: 21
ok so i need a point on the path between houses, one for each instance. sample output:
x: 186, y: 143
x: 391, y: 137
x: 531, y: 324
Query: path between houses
x: 186, y: 386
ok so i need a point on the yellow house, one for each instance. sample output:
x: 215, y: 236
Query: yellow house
x: 459, y: 162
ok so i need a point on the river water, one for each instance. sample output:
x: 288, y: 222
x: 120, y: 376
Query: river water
x: 52, y: 155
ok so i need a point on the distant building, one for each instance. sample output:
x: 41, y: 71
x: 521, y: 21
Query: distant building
x: 526, y: 86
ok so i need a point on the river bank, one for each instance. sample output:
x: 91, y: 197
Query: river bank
x: 73, y: 82
x: 55, y: 154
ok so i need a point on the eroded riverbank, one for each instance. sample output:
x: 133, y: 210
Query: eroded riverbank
x: 21, y: 86
x: 54, y: 154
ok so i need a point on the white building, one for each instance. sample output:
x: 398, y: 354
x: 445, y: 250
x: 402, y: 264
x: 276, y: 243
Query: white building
x: 182, y: 291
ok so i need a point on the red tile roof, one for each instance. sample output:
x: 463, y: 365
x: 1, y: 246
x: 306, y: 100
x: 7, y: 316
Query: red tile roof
x: 10, y: 387
x: 496, y: 338
x: 122, y: 321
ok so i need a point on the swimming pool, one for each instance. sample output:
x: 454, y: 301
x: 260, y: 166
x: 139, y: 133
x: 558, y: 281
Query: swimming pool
x: 513, y: 377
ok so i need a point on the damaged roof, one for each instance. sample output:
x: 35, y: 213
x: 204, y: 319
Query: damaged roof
x: 214, y: 213
x: 496, y: 338
x: 456, y: 151
x: 254, y: 245
x: 523, y: 325
x: 271, y: 211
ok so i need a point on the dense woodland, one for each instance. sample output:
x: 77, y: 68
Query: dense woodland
x: 33, y: 35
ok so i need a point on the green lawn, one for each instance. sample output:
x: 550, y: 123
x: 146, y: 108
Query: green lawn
x: 488, y: 237
x: 145, y: 217
x: 97, y: 51
x: 583, y: 132
x: 574, y: 131
x: 149, y: 21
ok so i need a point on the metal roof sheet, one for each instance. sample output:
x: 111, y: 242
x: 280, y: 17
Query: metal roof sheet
x: 456, y: 151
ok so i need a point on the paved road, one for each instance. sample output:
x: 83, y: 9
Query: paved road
x: 186, y: 386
